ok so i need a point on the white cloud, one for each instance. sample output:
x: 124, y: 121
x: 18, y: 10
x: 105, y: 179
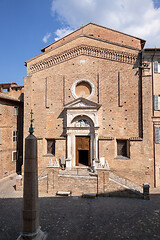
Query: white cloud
x: 46, y: 37
x: 135, y: 17
x: 60, y: 33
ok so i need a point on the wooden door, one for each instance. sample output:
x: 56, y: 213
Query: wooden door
x: 82, y: 143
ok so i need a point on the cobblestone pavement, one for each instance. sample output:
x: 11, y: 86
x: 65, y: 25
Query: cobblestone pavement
x: 76, y: 218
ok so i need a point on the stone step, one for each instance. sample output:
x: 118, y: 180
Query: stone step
x: 125, y: 182
x: 127, y: 193
x: 89, y: 195
x: 75, y: 172
x: 79, y: 176
x: 64, y: 194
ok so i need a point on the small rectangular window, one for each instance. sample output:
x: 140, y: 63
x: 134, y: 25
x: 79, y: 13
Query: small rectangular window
x: 156, y: 67
x: 123, y: 148
x: 14, y: 156
x: 156, y: 102
x: 15, y: 136
x: 15, y: 111
x: 0, y: 109
x: 157, y: 134
x: 5, y: 90
x: 51, y: 146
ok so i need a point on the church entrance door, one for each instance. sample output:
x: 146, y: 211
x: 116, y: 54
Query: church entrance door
x: 82, y: 151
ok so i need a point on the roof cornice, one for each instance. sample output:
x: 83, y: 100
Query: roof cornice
x: 86, y: 50
x: 9, y: 98
x: 86, y: 36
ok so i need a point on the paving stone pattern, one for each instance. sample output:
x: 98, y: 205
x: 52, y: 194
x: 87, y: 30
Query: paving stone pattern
x: 76, y: 218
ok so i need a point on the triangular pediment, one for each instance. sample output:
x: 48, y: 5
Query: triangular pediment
x: 95, y: 31
x: 82, y: 103
x: 87, y: 41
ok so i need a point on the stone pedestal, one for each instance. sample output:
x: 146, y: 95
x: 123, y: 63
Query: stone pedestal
x: 103, y: 180
x: 146, y: 191
x: 31, y: 228
x: 19, y: 183
x: 39, y: 236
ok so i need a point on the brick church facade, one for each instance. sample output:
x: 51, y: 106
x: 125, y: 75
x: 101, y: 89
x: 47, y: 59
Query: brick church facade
x: 92, y: 100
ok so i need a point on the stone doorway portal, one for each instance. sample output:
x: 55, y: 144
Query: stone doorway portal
x: 83, y: 150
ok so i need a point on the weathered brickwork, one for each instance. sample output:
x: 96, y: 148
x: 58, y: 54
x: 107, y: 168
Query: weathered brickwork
x: 11, y: 128
x: 111, y: 61
x: 101, y: 183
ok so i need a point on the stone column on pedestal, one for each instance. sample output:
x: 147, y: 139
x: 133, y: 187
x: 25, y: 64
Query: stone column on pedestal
x: 31, y: 228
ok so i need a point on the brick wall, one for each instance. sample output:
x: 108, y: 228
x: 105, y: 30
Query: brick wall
x: 10, y: 122
x: 125, y: 100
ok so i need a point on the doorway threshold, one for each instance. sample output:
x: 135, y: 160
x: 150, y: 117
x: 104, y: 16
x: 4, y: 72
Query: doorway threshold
x: 81, y: 166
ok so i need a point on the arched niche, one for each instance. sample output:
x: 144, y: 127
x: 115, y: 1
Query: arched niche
x: 82, y: 121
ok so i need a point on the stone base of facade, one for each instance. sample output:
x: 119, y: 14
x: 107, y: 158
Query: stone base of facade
x: 40, y: 236
x: 78, y: 181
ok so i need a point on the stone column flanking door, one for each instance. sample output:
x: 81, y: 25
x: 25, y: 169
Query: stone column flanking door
x: 96, y: 145
x: 69, y: 155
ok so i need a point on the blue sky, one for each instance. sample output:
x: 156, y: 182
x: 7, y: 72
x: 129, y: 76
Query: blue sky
x: 28, y: 26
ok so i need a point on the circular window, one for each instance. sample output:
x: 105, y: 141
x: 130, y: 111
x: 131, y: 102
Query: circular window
x: 83, y: 88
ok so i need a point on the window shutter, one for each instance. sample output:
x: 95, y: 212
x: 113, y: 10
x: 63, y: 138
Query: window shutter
x: 119, y: 148
x: 156, y: 102
x: 15, y: 111
x: 51, y: 146
x: 122, y: 148
x: 13, y: 136
x: 157, y: 137
x: 14, y: 156
x: 156, y: 67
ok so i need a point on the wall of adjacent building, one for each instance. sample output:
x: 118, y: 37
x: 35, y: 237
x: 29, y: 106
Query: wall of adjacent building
x: 10, y: 122
x: 151, y: 56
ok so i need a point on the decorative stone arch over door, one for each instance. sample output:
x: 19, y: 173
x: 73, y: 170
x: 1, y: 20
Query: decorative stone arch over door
x: 82, y: 120
x: 83, y: 140
x: 81, y: 126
